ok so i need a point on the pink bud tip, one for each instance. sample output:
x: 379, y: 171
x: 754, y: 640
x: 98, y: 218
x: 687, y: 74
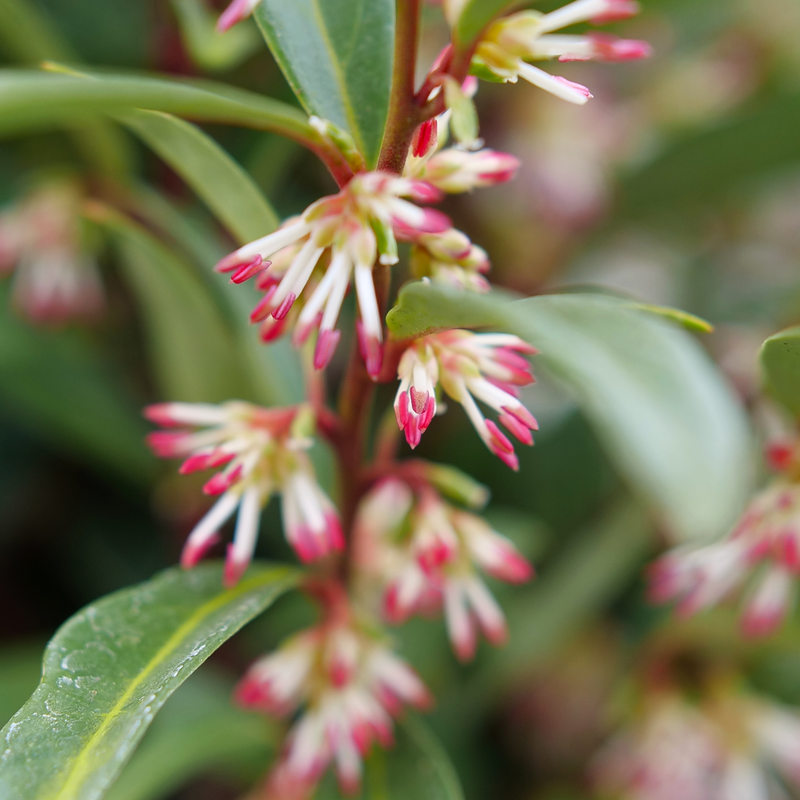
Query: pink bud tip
x: 779, y: 455
x: 222, y: 481
x: 757, y: 624
x: 202, y: 461
x: 615, y: 11
x: 167, y: 444
x: 250, y: 693
x: 264, y: 306
x: 610, y: 48
x: 434, y: 222
x: 246, y: 271
x: 271, y: 329
x: 425, y: 138
x: 578, y: 87
x: 192, y: 553
x: 464, y: 647
x: 325, y: 348
x: 161, y: 414
x: 233, y: 14
x: 424, y: 192
x: 233, y: 569
x: 373, y: 356
x: 285, y: 307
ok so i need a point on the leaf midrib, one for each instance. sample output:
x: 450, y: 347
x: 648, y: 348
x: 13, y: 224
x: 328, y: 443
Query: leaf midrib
x: 81, y: 765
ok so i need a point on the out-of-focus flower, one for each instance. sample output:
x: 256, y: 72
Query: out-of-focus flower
x: 768, y: 534
x: 348, y: 683
x: 510, y: 42
x: 56, y: 279
x: 486, y: 366
x: 452, y: 259
x: 455, y: 171
x: 236, y: 12
x: 356, y: 226
x: 426, y: 554
x: 726, y: 747
x: 262, y: 451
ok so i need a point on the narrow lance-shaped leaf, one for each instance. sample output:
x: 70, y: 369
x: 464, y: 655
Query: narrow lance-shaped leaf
x: 219, y: 181
x: 662, y: 410
x: 198, y: 732
x: 111, y: 667
x: 35, y: 100
x: 90, y: 415
x: 191, y: 346
x: 780, y: 363
x: 337, y: 55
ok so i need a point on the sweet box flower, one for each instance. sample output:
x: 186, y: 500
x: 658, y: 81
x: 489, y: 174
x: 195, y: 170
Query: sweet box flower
x: 486, y: 366
x: 354, y: 228
x: 261, y: 451
x: 767, y: 535
x: 56, y: 279
x: 428, y: 554
x: 511, y: 42
x: 237, y: 11
x: 728, y: 746
x: 348, y: 685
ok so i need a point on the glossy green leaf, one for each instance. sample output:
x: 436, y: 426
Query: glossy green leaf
x: 337, y: 55
x: 780, y: 363
x: 191, y: 347
x: 658, y: 404
x: 36, y: 100
x: 219, y: 181
x: 476, y: 15
x: 416, y: 767
x: 211, y: 50
x: 198, y: 732
x: 90, y: 415
x: 111, y: 667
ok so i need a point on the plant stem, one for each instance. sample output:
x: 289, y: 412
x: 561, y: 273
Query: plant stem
x: 403, y: 112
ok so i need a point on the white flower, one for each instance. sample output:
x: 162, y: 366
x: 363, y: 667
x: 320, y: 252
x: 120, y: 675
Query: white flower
x: 355, y: 227
x: 261, y: 451
x: 486, y: 366
x: 511, y: 42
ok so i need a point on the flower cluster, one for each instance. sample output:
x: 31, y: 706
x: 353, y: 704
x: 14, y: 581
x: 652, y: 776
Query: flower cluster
x: 426, y: 554
x: 349, y: 685
x: 727, y: 747
x: 488, y: 366
x: 511, y: 42
x: 354, y: 228
x: 261, y: 451
x: 56, y: 280
x: 768, y: 534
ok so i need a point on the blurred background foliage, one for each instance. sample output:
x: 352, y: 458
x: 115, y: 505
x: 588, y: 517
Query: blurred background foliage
x: 679, y: 184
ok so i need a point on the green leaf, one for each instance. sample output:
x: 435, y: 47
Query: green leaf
x: 699, y: 168
x: 56, y: 384
x: 111, y: 667
x: 210, y: 49
x: 683, y: 318
x: 199, y: 731
x: 219, y: 181
x: 28, y: 35
x: 337, y: 55
x: 191, y: 346
x: 780, y: 364
x: 416, y: 767
x: 476, y: 15
x: 663, y: 412
x: 274, y: 371
x: 36, y: 100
